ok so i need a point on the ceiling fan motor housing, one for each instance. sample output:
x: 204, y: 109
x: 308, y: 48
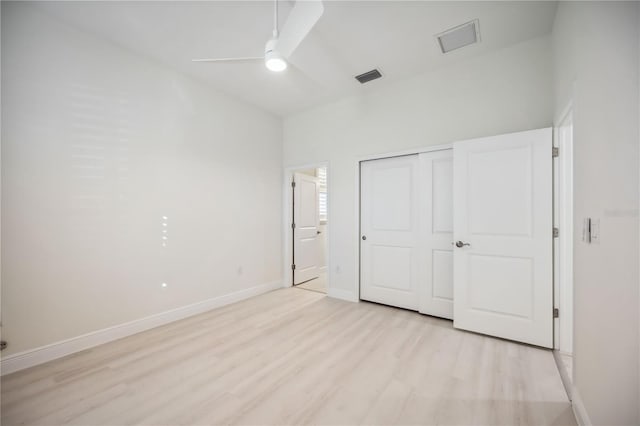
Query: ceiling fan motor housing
x: 270, y: 46
x: 273, y: 60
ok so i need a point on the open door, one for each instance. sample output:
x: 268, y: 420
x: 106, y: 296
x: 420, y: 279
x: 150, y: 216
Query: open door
x: 503, y: 230
x: 305, y: 228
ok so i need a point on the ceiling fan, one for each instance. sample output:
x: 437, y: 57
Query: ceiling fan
x: 304, y: 15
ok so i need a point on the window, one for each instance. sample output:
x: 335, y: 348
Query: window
x: 321, y: 174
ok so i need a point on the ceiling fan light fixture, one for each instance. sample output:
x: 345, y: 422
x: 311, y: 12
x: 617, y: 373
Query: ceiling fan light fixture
x: 302, y: 18
x: 275, y: 62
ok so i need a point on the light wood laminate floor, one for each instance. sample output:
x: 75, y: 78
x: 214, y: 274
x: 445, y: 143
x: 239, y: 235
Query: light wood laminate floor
x: 295, y: 357
x: 317, y: 284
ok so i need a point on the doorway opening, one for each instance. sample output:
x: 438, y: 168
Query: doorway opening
x: 307, y: 222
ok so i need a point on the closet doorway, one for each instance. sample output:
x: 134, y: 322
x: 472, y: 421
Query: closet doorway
x: 464, y: 233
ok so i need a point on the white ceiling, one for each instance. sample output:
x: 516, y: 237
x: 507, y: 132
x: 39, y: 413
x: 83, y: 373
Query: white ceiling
x: 351, y: 38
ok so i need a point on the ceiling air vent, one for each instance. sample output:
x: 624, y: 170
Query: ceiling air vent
x: 460, y: 36
x: 368, y: 76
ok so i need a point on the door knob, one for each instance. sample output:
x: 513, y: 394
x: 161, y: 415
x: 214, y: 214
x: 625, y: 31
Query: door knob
x: 364, y: 237
x: 460, y: 244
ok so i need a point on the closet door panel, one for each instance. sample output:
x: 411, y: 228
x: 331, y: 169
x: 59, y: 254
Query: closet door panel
x: 389, y: 252
x: 436, y: 233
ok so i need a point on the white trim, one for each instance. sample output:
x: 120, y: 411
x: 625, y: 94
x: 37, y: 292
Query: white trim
x: 287, y: 219
x: 564, y: 374
x: 566, y: 239
x: 556, y: 245
x: 342, y: 295
x: 322, y: 269
x: 412, y: 151
x: 579, y: 411
x: 355, y: 294
x: 356, y: 290
x: 30, y: 358
x: 563, y: 219
x: 568, y: 109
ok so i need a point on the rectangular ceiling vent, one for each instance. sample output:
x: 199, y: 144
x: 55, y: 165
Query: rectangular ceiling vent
x: 368, y: 76
x: 460, y: 36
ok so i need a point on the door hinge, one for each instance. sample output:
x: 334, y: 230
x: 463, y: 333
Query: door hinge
x: 556, y: 312
x: 293, y: 226
x: 3, y: 345
x: 293, y: 267
x: 293, y: 184
x: 555, y: 152
x: 556, y: 232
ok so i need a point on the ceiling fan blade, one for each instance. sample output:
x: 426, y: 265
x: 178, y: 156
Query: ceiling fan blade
x: 304, y: 82
x: 245, y: 59
x: 301, y: 20
x: 331, y: 72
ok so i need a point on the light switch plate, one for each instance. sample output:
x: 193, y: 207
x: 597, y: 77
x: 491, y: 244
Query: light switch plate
x: 586, y: 230
x: 595, y: 231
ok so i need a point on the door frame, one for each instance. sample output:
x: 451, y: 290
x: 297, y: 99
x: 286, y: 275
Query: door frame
x: 358, y: 230
x: 287, y: 231
x: 563, y: 245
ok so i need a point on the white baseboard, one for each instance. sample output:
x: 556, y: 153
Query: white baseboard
x: 337, y: 293
x: 578, y: 409
x: 56, y: 350
x: 567, y: 381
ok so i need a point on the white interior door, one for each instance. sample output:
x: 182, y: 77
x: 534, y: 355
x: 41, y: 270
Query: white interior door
x: 389, y: 231
x: 436, y: 214
x: 503, y: 210
x: 305, y: 232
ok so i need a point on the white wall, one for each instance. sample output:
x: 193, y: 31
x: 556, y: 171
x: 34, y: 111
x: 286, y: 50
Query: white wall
x: 596, y: 66
x: 97, y: 145
x: 509, y: 90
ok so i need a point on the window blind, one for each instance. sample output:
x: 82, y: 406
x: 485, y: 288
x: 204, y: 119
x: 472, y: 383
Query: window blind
x: 321, y: 174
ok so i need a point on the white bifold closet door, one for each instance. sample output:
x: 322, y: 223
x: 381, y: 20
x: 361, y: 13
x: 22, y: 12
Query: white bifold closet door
x: 503, y: 270
x: 407, y: 230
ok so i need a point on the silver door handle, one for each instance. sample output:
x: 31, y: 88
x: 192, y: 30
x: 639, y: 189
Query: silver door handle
x: 460, y: 244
